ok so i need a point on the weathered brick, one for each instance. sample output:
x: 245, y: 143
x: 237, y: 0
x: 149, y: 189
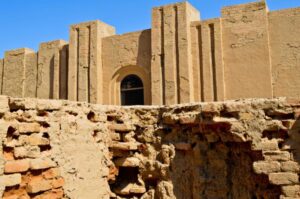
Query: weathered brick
x: 127, y: 162
x: 51, y: 173
x: 38, y: 186
x: 290, y: 166
x: 42, y: 163
x: 190, y: 118
x: 169, y: 118
x: 267, y: 145
x: 29, y: 128
x: 266, y: 167
x: 126, y: 146
x: 57, y: 183
x: 10, y: 180
x: 49, y: 105
x: 283, y: 178
x: 122, y: 127
x: 97, y: 117
x: 22, y: 103
x: 52, y: 194
x: 291, y: 191
x: 33, y: 140
x: 277, y: 155
x: 115, y: 136
x: 16, y: 166
x: 27, y: 152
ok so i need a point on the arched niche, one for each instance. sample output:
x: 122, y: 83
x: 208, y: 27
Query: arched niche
x: 132, y: 91
x: 123, y: 72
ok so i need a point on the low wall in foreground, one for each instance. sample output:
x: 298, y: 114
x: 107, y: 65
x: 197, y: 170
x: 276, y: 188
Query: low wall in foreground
x: 234, y: 149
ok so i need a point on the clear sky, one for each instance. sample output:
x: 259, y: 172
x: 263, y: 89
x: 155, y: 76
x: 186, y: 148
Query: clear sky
x: 26, y: 23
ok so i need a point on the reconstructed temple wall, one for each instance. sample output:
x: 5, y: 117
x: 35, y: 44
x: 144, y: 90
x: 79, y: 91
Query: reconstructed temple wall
x: 285, y: 51
x: 232, y: 149
x: 85, y: 61
x: 247, y: 52
x: 124, y: 55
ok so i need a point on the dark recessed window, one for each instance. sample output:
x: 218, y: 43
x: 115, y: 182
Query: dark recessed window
x: 132, y: 91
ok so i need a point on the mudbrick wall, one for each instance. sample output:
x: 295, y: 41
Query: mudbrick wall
x: 235, y: 149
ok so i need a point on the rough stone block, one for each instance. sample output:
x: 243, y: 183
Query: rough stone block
x: 38, y: 186
x: 52, y: 194
x: 277, y: 155
x: 266, y: 167
x: 33, y: 140
x: 127, y: 162
x: 10, y: 180
x: 291, y: 191
x: 22, y: 103
x: 51, y: 173
x: 42, y: 163
x: 169, y: 118
x: 49, y: 105
x: 191, y: 118
x: 267, y: 145
x: 126, y: 146
x: 290, y: 166
x: 29, y: 128
x: 283, y: 178
x: 27, y: 152
x: 57, y: 183
x: 122, y: 127
x: 16, y: 166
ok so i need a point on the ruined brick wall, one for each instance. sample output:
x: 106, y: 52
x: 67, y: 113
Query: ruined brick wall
x: 235, y: 149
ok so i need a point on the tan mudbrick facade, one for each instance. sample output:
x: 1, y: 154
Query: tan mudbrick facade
x: 248, y: 52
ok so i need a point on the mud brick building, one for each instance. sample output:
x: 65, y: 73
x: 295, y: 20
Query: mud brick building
x: 247, y: 52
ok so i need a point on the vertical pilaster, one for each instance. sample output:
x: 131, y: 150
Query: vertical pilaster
x: 63, y: 72
x: 207, y: 71
x: 216, y: 30
x: 85, y: 65
x: 171, y: 54
x: 30, y: 80
x: 172, y: 77
x: 73, y: 63
x: 1, y: 74
x: 50, y: 66
x: 19, y: 73
x: 185, y: 14
x: 157, y: 62
x: 196, y: 62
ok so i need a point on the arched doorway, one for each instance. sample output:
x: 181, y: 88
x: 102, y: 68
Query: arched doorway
x: 132, y: 91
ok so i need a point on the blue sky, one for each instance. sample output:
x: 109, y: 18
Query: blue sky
x: 26, y: 23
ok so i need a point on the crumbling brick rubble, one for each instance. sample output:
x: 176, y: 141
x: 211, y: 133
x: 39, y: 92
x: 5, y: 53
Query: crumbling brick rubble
x: 235, y: 149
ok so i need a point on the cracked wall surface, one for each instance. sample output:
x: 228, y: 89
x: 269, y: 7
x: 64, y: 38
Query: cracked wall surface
x: 232, y: 149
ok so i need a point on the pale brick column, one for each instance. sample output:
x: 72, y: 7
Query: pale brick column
x: 19, y: 73
x: 85, y: 63
x: 171, y: 67
x: 52, y: 67
x: 246, y: 51
x: 1, y: 73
